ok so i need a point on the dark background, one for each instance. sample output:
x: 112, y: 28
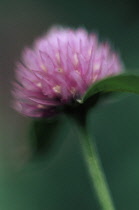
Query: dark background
x: 59, y: 180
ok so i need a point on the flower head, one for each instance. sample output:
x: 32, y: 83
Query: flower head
x: 58, y: 70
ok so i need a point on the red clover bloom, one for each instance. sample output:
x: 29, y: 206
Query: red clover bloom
x: 59, y: 69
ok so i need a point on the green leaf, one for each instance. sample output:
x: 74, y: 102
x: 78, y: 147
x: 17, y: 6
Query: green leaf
x: 42, y: 134
x: 121, y: 83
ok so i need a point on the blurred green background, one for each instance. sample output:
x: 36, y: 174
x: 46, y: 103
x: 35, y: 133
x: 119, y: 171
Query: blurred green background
x: 59, y: 180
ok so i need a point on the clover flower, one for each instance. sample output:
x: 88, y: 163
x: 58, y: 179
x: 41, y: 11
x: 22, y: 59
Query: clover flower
x: 58, y: 70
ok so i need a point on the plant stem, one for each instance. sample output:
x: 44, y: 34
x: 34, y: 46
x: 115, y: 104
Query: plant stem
x: 95, y: 170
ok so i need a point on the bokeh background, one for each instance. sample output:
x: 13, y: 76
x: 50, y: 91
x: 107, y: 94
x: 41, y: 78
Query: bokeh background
x: 58, y: 179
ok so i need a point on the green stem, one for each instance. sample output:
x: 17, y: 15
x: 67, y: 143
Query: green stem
x: 95, y: 170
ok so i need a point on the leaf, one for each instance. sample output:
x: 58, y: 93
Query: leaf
x: 121, y: 83
x: 42, y: 134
